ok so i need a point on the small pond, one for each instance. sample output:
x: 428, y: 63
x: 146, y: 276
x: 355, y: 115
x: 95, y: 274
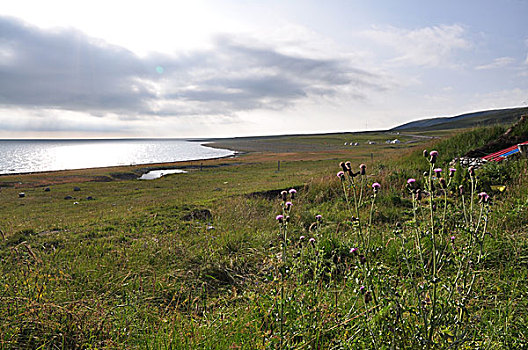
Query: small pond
x: 156, y: 174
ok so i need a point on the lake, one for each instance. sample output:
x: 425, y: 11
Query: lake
x: 24, y: 156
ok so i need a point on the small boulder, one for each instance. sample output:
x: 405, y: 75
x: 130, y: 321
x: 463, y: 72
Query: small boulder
x: 47, y: 189
x: 198, y: 214
x: 68, y: 197
x: 76, y: 189
x: 21, y: 195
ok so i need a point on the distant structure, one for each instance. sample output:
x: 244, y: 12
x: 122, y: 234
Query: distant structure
x: 393, y: 141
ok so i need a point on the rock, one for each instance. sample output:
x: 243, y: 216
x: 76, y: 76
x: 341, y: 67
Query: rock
x: 76, y: 189
x: 47, y: 189
x: 90, y: 198
x: 198, y: 214
x: 21, y: 195
x: 68, y: 197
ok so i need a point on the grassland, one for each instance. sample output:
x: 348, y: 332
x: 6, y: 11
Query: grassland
x: 198, y: 260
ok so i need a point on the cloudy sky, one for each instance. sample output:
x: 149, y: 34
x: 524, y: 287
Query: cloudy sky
x: 201, y: 68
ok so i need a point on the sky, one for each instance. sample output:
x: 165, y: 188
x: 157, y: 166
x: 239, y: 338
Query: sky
x: 210, y: 68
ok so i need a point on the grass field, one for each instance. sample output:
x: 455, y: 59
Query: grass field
x: 199, y: 260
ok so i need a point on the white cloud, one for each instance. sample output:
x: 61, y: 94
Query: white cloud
x: 65, y: 70
x: 429, y: 46
x: 499, y: 62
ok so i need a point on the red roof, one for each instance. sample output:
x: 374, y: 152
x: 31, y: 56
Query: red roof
x: 500, y: 155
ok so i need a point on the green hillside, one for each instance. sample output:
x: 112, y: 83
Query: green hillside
x: 464, y: 121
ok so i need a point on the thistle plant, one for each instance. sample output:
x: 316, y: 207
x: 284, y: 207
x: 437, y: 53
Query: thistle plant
x: 283, y: 221
x: 446, y: 236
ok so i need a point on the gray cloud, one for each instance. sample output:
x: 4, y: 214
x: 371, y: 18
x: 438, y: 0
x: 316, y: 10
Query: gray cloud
x: 67, y: 70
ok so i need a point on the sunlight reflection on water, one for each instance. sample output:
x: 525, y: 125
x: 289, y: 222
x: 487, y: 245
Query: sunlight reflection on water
x: 22, y: 156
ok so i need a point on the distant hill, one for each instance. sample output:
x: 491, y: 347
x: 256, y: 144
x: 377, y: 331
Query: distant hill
x: 468, y: 120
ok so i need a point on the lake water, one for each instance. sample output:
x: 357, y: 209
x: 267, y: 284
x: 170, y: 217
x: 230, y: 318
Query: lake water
x: 23, y: 156
x: 156, y: 174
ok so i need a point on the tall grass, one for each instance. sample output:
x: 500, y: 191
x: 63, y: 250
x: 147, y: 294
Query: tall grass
x: 350, y: 264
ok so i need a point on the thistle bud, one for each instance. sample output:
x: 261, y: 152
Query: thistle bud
x: 443, y: 183
x: 425, y: 153
x: 461, y: 190
x: 362, y: 169
x: 368, y: 297
x: 362, y: 259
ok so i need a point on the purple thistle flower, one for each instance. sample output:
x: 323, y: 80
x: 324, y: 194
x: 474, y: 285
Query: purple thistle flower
x: 453, y: 239
x: 452, y: 172
x: 376, y: 186
x: 293, y: 192
x: 279, y: 218
x: 433, y: 155
x: 437, y: 171
x: 318, y: 217
x: 483, y: 197
x: 362, y: 289
x: 288, y: 205
x: 301, y: 238
x: 311, y: 240
x: 353, y: 250
x: 411, y: 181
x: 341, y: 175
